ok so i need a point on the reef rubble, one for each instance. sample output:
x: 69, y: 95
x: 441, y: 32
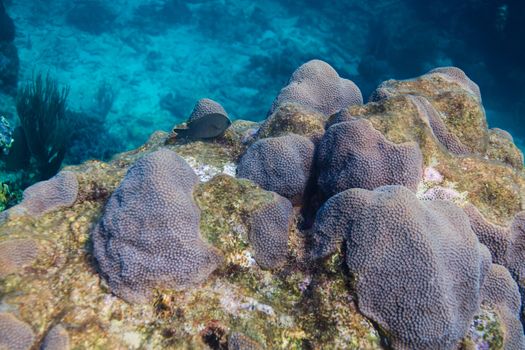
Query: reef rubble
x: 172, y: 246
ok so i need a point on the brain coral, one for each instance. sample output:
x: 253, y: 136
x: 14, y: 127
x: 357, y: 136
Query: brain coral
x: 408, y: 257
x: 43, y: 197
x: 317, y: 85
x: 506, y: 244
x: 355, y: 155
x: 206, y: 107
x: 149, y: 234
x: 16, y: 254
x: 269, y: 226
x: 501, y: 292
x: 207, y: 120
x: 279, y: 164
x: 15, y: 334
x: 56, y: 339
x: 497, y: 238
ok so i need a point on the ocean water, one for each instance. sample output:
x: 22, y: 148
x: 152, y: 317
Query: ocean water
x: 140, y: 66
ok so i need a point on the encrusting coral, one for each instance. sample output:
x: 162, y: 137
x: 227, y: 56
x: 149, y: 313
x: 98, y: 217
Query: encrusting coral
x: 163, y: 247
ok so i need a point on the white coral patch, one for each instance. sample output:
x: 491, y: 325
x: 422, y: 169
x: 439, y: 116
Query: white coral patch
x: 430, y: 174
x: 206, y: 172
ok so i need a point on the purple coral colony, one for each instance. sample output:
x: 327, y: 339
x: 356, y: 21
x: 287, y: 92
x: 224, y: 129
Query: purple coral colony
x: 331, y: 224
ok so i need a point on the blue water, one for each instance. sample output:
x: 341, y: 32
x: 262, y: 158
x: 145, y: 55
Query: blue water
x: 156, y: 58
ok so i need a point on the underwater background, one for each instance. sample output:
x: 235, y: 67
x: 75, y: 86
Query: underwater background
x: 134, y: 67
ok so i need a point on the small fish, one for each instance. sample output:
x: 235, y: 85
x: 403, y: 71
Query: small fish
x: 206, y: 127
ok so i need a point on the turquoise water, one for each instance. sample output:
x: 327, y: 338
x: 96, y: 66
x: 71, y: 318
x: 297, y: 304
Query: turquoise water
x: 156, y: 58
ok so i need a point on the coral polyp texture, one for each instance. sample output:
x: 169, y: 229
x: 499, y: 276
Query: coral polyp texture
x: 407, y: 257
x: 15, y: 334
x: 149, y: 233
x: 501, y: 292
x: 207, y: 120
x: 58, y: 192
x: 330, y: 225
x: 279, y: 164
x: 317, y: 85
x: 355, y: 155
x: 268, y: 235
x: 16, y: 254
x: 56, y: 339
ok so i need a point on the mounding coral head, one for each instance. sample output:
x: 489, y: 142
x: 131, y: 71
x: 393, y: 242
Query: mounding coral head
x: 458, y: 76
x: 501, y: 292
x: 60, y: 191
x: 15, y: 254
x: 317, y: 85
x: 149, y: 234
x: 15, y: 334
x: 279, y: 164
x: 407, y: 256
x: 269, y: 227
x: 56, y: 339
x: 353, y: 154
x: 208, y: 120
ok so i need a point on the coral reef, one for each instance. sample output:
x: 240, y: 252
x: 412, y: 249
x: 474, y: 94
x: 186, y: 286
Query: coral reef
x: 207, y: 120
x: 290, y: 118
x: 407, y: 257
x: 56, y: 339
x: 355, y: 155
x: 45, y: 196
x: 163, y: 247
x: 15, y: 334
x: 279, y: 164
x: 149, y: 233
x: 317, y: 85
x: 268, y: 234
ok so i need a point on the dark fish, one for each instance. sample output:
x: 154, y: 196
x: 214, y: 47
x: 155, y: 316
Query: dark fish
x: 206, y: 127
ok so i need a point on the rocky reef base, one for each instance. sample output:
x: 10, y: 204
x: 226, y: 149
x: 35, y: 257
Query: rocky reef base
x: 163, y: 247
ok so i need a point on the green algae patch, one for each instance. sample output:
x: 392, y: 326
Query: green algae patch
x: 295, y: 119
x: 501, y: 148
x: 226, y: 205
x: 486, y: 331
x: 494, y: 187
